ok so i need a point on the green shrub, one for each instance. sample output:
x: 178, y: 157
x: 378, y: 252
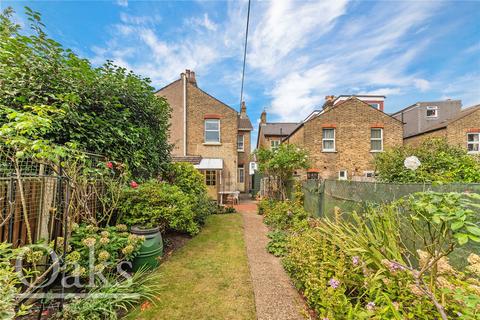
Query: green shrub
x: 440, y: 162
x: 360, y: 268
x: 284, y: 215
x: 277, y: 243
x: 109, y: 245
x: 107, y: 110
x: 9, y: 284
x: 160, y: 204
x: 192, y: 183
x: 105, y: 301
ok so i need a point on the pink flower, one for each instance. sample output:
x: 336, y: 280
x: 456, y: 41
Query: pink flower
x: 334, y: 283
x: 109, y: 165
x: 133, y: 184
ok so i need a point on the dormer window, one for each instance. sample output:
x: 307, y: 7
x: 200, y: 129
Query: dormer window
x: 375, y: 105
x: 212, y: 130
x: 432, y: 112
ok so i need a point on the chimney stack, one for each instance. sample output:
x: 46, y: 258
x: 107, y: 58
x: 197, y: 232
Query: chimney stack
x: 243, y: 110
x: 263, y: 117
x: 190, y: 75
x: 328, y: 102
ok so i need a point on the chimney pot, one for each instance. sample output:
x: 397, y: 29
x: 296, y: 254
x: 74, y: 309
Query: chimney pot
x: 263, y: 117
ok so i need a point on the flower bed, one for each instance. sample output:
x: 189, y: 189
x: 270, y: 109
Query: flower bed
x: 360, y: 266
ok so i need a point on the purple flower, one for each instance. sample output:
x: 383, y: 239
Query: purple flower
x: 325, y: 319
x: 370, y: 305
x: 356, y: 260
x: 334, y: 283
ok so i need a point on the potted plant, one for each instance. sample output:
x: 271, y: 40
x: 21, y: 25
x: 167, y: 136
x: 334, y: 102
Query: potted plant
x: 136, y: 209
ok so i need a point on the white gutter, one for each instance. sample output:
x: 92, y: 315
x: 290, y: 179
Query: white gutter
x: 184, y: 114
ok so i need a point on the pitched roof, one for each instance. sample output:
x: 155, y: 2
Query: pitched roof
x: 244, y: 123
x: 465, y: 112
x: 278, y: 128
x: 190, y: 159
x: 316, y: 114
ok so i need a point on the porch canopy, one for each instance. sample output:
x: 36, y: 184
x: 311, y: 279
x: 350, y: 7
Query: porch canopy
x: 210, y: 164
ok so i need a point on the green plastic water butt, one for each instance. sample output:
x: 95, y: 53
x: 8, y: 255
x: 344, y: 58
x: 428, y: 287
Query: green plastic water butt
x: 151, y: 250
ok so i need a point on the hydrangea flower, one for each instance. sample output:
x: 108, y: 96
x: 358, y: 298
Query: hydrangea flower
x: 121, y: 227
x: 412, y: 163
x: 104, y: 241
x: 128, y: 249
x: 105, y: 234
x: 89, y: 242
x: 103, y: 255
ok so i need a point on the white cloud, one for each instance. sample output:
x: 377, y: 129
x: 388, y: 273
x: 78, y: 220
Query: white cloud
x: 288, y: 26
x: 203, y: 22
x: 422, y: 84
x: 122, y: 3
x: 140, y: 20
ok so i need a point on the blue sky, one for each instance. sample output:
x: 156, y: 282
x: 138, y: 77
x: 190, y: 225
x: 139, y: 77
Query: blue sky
x: 298, y: 52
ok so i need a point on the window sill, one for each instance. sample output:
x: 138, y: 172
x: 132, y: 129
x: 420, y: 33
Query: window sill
x: 473, y: 152
x: 212, y: 143
x: 376, y: 151
x: 329, y: 151
x: 240, y: 150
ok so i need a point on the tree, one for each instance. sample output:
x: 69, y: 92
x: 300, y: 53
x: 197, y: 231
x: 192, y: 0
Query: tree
x: 280, y: 164
x: 439, y: 162
x: 107, y: 109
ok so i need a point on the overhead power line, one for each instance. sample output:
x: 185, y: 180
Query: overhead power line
x: 245, y: 53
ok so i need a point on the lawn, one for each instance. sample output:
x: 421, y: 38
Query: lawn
x: 208, y: 278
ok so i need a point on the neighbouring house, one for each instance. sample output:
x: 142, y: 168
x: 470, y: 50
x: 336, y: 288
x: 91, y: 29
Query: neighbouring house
x: 423, y: 116
x: 271, y: 134
x: 343, y: 138
x: 209, y: 134
x: 462, y: 129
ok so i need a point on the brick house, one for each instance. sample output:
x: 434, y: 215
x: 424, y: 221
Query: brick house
x: 423, y: 116
x: 462, y: 129
x: 210, y: 134
x: 343, y: 138
x: 271, y: 134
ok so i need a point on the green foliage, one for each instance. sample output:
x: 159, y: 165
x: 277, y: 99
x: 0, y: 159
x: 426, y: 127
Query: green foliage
x: 106, y: 110
x: 281, y: 163
x: 439, y: 218
x: 192, y: 183
x: 106, y: 300
x: 285, y: 215
x: 9, y: 284
x: 440, y: 162
x: 278, y: 242
x: 160, y: 204
x: 109, y: 246
x: 362, y: 268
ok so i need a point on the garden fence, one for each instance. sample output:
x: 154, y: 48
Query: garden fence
x: 321, y: 197
x: 43, y: 204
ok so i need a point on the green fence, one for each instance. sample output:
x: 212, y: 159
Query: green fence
x: 322, y: 197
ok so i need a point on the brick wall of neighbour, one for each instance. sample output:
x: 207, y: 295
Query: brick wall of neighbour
x: 352, y: 121
x: 417, y: 140
x: 457, y: 130
x: 174, y: 95
x: 199, y: 106
x: 297, y: 137
x: 244, y: 159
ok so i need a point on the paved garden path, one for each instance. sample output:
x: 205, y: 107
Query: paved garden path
x: 275, y: 296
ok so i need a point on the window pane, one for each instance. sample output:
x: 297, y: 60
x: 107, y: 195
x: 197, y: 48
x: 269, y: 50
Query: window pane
x: 473, y: 137
x: 376, y: 145
x: 328, y: 133
x: 212, y: 136
x: 473, y: 146
x: 212, y: 124
x: 328, y: 145
x: 376, y: 133
x: 240, y: 142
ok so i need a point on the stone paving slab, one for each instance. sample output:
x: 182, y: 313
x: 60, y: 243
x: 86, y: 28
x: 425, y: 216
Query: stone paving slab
x: 275, y: 296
